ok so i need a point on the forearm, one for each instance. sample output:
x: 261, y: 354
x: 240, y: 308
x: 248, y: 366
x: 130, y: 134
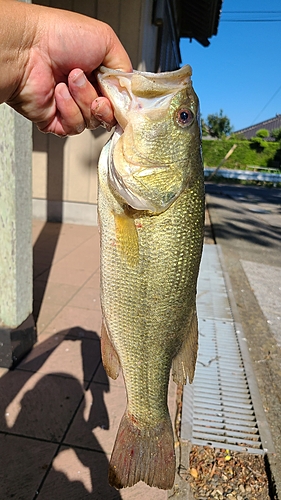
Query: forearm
x: 17, y: 31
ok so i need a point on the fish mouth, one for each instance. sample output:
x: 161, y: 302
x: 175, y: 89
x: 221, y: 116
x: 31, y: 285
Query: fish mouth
x: 140, y: 90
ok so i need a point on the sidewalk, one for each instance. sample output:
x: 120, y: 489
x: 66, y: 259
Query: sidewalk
x: 59, y: 411
x: 246, y: 223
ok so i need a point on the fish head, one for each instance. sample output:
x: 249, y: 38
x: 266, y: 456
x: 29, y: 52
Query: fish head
x: 155, y: 152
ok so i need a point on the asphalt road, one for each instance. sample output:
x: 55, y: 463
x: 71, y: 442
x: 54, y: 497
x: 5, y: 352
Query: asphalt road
x: 246, y: 223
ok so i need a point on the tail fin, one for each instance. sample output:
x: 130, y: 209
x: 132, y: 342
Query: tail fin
x: 145, y: 454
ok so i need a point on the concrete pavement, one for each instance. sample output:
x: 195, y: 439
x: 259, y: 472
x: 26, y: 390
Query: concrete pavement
x: 246, y: 223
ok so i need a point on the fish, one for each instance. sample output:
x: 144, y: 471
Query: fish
x: 151, y: 218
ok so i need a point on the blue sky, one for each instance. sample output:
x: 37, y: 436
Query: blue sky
x: 240, y: 71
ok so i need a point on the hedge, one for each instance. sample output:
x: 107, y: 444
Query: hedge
x: 246, y: 153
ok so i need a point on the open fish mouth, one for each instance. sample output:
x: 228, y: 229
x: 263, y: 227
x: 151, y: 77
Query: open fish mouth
x: 141, y: 90
x: 141, y: 102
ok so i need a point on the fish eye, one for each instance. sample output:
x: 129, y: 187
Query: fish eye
x: 184, y: 117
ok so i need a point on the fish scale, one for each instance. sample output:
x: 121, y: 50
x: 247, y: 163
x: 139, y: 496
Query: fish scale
x: 149, y: 266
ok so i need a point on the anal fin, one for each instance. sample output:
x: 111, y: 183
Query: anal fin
x: 110, y: 359
x: 183, y: 365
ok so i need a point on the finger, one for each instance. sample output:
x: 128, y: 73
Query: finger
x: 96, y: 110
x: 83, y: 93
x: 71, y: 117
x: 102, y: 111
x: 68, y: 119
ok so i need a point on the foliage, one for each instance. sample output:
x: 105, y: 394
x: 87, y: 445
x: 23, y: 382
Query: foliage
x: 204, y: 128
x: 262, y: 132
x: 258, y: 143
x: 238, y: 137
x: 244, y: 154
x: 219, y: 125
x: 276, y: 134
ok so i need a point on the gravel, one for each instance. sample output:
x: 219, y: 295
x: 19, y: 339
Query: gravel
x: 227, y: 475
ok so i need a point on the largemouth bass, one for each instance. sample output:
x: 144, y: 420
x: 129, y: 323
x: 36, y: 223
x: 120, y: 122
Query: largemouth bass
x: 151, y: 211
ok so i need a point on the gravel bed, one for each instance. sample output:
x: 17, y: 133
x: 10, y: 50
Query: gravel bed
x: 227, y: 475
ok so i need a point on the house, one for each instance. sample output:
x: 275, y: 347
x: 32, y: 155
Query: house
x: 269, y: 125
x: 65, y: 170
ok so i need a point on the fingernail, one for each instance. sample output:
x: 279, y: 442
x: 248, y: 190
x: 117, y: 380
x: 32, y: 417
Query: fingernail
x: 79, y: 79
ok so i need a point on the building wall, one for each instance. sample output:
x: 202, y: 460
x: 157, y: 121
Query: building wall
x: 65, y: 170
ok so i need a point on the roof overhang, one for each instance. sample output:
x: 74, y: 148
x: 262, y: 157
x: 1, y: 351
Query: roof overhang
x: 199, y: 19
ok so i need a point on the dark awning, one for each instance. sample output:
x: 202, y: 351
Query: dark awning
x: 199, y: 19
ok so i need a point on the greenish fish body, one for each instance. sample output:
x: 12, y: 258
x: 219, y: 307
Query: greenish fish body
x: 151, y: 211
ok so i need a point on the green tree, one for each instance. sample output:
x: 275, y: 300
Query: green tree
x: 204, y: 128
x: 276, y: 134
x: 219, y: 125
x: 262, y: 132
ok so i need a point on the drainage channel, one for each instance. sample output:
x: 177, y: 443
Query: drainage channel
x: 222, y: 408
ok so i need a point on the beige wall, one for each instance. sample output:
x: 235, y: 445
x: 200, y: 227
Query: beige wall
x: 64, y: 170
x: 65, y: 176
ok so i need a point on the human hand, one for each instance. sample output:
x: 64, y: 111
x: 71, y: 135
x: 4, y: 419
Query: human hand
x: 57, y: 89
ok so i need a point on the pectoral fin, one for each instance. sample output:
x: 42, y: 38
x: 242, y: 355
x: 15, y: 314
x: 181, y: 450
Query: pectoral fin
x: 127, y: 238
x: 184, y: 363
x: 110, y: 359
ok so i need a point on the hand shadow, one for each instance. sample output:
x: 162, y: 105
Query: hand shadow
x: 37, y: 455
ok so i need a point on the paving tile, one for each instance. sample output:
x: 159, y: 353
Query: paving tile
x: 78, y: 232
x: 40, y: 267
x: 23, y: 464
x: 70, y: 317
x: 141, y: 491
x: 86, y: 297
x: 39, y: 289
x: 57, y: 293
x: 3, y: 372
x: 45, y: 313
x: 66, y: 275
x: 94, y: 280
x: 37, y: 226
x: 102, y: 378
x: 107, y: 405
x: 48, y: 300
x: 73, y: 356
x: 38, y: 405
x: 71, y: 237
x: 78, y: 475
x: 87, y: 255
x: 80, y: 333
x: 44, y: 247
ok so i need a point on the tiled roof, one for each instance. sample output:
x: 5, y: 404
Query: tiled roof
x: 269, y: 125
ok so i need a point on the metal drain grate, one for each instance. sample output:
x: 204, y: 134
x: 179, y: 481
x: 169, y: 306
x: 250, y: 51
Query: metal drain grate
x: 222, y: 408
